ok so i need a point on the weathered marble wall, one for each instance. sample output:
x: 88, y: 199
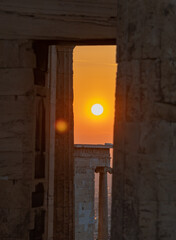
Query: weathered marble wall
x: 22, y: 142
x: 144, y: 199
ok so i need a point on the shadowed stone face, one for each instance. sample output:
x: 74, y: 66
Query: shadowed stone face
x: 144, y: 145
x: 16, y: 134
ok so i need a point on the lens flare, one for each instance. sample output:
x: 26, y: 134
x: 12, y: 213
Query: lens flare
x: 61, y: 126
x: 97, y: 109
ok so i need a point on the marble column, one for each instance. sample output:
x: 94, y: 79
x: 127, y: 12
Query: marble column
x: 103, y: 203
x: 64, y: 167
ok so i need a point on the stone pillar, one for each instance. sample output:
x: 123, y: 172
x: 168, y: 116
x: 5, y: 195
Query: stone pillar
x: 143, y: 197
x: 52, y: 74
x: 103, y: 203
x: 64, y: 167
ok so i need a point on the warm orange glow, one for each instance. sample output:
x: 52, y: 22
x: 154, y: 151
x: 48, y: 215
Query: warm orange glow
x: 94, y: 82
x: 61, y: 126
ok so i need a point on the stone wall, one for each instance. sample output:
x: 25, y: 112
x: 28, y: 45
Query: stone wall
x: 144, y: 201
x: 86, y: 161
x: 23, y: 178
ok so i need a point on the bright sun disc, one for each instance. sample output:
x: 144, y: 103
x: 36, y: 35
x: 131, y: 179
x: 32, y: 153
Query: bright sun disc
x: 97, y: 109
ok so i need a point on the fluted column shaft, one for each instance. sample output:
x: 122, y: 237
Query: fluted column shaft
x: 64, y: 187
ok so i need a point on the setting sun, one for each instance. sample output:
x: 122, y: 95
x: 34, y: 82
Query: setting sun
x: 97, y: 109
x: 94, y: 83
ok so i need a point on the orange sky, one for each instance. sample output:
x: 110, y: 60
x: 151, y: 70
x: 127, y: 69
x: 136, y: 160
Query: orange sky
x: 94, y: 82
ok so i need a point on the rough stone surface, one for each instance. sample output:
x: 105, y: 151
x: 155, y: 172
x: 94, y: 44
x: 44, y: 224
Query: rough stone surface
x: 23, y: 181
x: 16, y: 138
x: 61, y: 20
x: 143, y: 201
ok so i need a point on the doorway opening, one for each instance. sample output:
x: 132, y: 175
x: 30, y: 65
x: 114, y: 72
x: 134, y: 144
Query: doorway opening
x: 94, y: 77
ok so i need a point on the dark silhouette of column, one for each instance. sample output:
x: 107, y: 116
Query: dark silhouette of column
x: 103, y: 203
x: 64, y: 161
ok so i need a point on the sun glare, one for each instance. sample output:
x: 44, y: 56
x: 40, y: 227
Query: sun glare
x: 61, y: 126
x: 97, y: 109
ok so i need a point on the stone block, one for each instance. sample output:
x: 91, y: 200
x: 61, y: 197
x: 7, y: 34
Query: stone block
x: 165, y: 112
x: 167, y: 84
x: 82, y: 162
x: 131, y: 177
x: 16, y: 81
x: 150, y: 85
x: 130, y: 219
x: 82, y: 183
x: 103, y: 161
x: 165, y: 171
x: 166, y: 220
x: 28, y: 165
x: 117, y: 218
x: 155, y: 138
x: 165, y: 188
x: 128, y: 92
x: 84, y: 194
x: 9, y: 54
x: 168, y: 35
x: 148, y: 220
x: 11, y: 145
x: 16, y: 165
x: 13, y: 107
x: 27, y: 57
x: 151, y: 36
x: 17, y: 124
x: 14, y: 223
x: 16, y: 54
x: 16, y: 144
x: 80, y: 170
x: 147, y: 182
x: 11, y: 165
x: 133, y: 130
x: 138, y: 30
x: 15, y: 194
